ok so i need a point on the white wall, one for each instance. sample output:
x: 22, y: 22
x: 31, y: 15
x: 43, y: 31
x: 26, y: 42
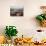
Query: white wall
x: 26, y: 24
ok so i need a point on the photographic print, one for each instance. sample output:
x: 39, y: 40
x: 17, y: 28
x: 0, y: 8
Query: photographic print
x: 16, y: 11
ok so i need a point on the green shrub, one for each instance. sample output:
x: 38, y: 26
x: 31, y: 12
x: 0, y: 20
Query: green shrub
x: 11, y: 31
x: 41, y: 17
